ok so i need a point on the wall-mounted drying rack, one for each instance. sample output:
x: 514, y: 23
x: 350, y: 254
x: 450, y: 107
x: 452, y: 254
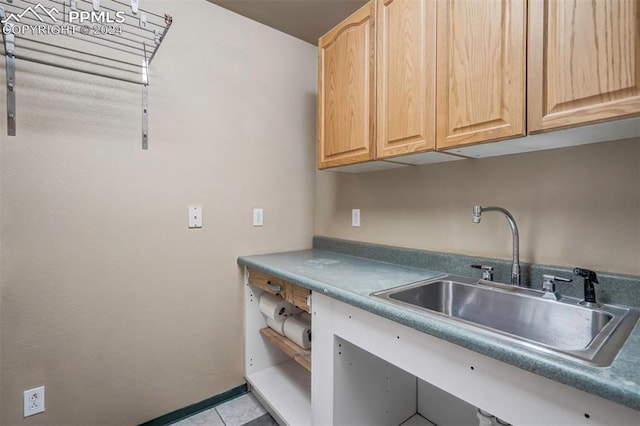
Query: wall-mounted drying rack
x: 115, y: 39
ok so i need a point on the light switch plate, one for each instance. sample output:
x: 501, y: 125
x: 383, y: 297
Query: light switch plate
x: 258, y: 217
x: 355, y: 218
x: 195, y: 216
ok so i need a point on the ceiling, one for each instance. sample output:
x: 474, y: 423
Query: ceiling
x: 304, y: 19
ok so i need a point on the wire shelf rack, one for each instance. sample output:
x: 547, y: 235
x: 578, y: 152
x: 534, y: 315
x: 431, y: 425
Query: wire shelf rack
x: 114, y: 39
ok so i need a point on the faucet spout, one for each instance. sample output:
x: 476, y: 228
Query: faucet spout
x: 516, y: 277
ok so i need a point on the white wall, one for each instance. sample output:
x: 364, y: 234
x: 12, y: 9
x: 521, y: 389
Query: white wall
x: 107, y: 298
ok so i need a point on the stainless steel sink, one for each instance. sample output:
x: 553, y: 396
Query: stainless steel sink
x: 592, y: 336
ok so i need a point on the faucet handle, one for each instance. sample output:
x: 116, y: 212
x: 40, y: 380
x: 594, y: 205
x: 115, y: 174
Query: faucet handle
x: 549, y: 286
x: 487, y: 271
x: 548, y: 282
x: 553, y: 278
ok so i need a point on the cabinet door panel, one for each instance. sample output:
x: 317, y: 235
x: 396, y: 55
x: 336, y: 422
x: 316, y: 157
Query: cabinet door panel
x: 584, y: 61
x: 346, y: 98
x: 481, y: 71
x: 406, y: 34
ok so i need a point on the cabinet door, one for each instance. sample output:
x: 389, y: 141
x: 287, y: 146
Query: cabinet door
x: 346, y: 91
x: 406, y: 76
x: 584, y: 61
x: 481, y: 71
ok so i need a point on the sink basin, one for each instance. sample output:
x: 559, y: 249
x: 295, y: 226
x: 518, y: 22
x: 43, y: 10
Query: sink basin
x: 592, y: 336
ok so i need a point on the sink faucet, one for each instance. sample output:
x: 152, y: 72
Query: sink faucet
x: 516, y: 278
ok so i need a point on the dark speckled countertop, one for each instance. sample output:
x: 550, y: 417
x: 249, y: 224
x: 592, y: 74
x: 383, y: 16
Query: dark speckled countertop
x: 352, y: 279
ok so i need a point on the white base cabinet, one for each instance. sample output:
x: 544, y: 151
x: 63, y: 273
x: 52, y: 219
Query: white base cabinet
x: 510, y: 393
x: 368, y: 370
x: 286, y: 390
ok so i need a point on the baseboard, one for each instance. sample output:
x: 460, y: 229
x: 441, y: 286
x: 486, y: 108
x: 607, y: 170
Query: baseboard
x: 192, y: 409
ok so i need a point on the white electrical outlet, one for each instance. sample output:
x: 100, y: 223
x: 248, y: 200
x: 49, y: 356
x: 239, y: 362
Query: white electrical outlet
x: 355, y: 218
x: 195, y: 217
x: 33, y: 401
x: 258, y: 217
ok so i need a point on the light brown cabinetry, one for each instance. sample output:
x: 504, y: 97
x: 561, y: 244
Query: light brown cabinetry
x: 481, y: 71
x: 406, y: 77
x: 452, y: 75
x: 473, y: 49
x: 346, y: 91
x: 584, y: 62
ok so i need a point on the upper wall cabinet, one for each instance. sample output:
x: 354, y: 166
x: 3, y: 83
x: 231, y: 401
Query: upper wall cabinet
x: 452, y: 75
x: 346, y: 91
x: 481, y: 71
x: 406, y: 77
x: 584, y: 62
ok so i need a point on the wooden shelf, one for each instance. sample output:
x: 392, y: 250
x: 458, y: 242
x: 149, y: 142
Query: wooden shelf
x: 298, y: 354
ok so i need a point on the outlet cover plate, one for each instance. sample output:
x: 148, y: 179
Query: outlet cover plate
x: 195, y: 216
x: 258, y: 217
x: 355, y: 218
x: 33, y: 401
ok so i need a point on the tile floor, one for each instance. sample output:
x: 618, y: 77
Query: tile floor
x: 242, y: 411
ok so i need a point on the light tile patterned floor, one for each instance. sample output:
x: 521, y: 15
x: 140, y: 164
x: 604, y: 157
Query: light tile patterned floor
x: 206, y: 418
x: 241, y: 411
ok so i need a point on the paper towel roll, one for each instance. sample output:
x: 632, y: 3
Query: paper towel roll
x: 274, y: 307
x: 299, y: 331
x: 278, y: 327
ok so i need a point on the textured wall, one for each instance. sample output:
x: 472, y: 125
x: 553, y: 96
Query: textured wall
x: 573, y: 206
x: 108, y: 299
